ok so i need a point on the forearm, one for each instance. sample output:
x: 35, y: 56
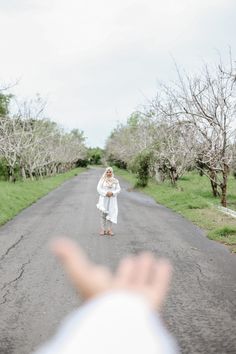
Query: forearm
x: 116, y: 191
x: 101, y: 191
x: 118, y: 322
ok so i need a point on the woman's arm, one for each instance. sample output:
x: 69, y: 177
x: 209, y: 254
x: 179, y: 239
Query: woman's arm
x: 119, y: 316
x: 117, y: 190
x: 100, y: 189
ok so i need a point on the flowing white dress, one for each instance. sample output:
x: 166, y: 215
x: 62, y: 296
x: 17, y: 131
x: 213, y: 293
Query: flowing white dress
x: 105, y: 204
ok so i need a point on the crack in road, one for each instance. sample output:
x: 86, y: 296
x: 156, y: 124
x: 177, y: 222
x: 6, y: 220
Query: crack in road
x: 8, y: 284
x: 200, y: 269
x: 199, y: 282
x: 11, y: 247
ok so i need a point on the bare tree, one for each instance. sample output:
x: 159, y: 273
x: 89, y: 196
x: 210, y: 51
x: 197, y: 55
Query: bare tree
x: 36, y: 146
x: 207, y: 102
x: 9, y: 143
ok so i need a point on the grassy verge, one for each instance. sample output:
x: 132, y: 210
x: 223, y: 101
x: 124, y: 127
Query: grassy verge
x: 19, y: 195
x: 193, y: 199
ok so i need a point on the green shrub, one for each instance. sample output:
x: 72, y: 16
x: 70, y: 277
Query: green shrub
x: 95, y: 155
x: 141, y: 166
x: 116, y: 162
x: 3, y: 170
x: 82, y: 163
x: 225, y: 231
x: 225, y: 234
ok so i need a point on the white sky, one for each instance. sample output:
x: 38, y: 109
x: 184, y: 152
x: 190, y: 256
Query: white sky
x: 96, y: 61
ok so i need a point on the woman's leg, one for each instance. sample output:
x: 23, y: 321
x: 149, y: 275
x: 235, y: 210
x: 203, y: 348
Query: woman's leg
x: 103, y: 223
x: 109, y: 228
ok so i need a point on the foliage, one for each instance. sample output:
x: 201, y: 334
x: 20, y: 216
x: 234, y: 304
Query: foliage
x: 141, y: 166
x: 82, y: 163
x: 95, y: 155
x: 116, y: 162
x: 4, y: 104
x: 3, y: 169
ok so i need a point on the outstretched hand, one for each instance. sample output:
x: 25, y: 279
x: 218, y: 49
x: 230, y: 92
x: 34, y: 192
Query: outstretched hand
x: 142, y: 273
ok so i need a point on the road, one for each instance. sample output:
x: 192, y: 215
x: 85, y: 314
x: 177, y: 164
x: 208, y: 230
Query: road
x: 35, y: 294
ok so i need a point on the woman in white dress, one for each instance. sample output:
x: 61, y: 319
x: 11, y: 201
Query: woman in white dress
x: 108, y: 187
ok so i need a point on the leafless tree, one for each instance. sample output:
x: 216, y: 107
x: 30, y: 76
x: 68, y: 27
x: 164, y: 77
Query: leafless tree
x: 207, y: 102
x: 38, y: 147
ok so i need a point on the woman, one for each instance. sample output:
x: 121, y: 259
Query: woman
x: 108, y: 187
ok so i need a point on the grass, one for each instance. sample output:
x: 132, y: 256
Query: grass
x: 19, y: 195
x: 226, y: 235
x: 193, y: 199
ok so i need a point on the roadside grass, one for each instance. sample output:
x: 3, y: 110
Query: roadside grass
x: 17, y: 196
x: 193, y: 199
x: 226, y: 234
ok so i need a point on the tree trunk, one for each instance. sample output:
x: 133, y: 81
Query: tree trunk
x: 223, y: 195
x: 11, y: 173
x: 223, y: 186
x: 54, y: 170
x: 31, y: 175
x: 214, y: 184
x: 173, y: 175
x: 23, y: 174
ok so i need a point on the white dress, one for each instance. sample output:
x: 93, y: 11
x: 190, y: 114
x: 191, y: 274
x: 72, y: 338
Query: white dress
x: 108, y: 205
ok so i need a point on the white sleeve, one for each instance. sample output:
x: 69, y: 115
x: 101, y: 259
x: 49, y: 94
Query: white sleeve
x: 117, y: 190
x: 115, y: 323
x: 101, y: 190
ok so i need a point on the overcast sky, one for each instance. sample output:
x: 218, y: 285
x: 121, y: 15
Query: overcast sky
x: 96, y: 61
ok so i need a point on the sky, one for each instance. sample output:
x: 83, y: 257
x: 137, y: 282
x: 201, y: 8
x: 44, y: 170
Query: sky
x: 97, y: 61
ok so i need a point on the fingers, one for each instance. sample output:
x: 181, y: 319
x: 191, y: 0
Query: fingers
x: 161, y: 281
x: 142, y: 274
x: 125, y: 272
x: 68, y: 252
x: 75, y: 263
x: 136, y: 269
x: 144, y: 268
x: 145, y: 275
x: 88, y: 278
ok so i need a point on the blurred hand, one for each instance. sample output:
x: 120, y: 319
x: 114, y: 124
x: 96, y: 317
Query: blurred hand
x: 143, y: 273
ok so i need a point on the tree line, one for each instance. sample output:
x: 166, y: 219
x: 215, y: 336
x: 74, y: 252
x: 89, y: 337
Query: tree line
x: 33, y: 146
x: 189, y: 124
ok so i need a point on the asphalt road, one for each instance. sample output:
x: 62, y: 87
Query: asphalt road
x: 35, y: 295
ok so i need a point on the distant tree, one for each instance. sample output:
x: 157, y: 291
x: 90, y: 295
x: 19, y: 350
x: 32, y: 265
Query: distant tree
x: 95, y: 155
x: 33, y: 146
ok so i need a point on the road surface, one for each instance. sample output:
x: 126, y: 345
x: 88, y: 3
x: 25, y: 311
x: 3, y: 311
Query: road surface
x: 35, y: 294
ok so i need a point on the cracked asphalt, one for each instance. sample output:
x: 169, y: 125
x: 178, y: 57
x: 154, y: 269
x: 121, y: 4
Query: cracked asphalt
x: 35, y: 294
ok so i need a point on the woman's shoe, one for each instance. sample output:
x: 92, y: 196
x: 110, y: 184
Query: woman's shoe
x: 110, y: 233
x: 102, y: 233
